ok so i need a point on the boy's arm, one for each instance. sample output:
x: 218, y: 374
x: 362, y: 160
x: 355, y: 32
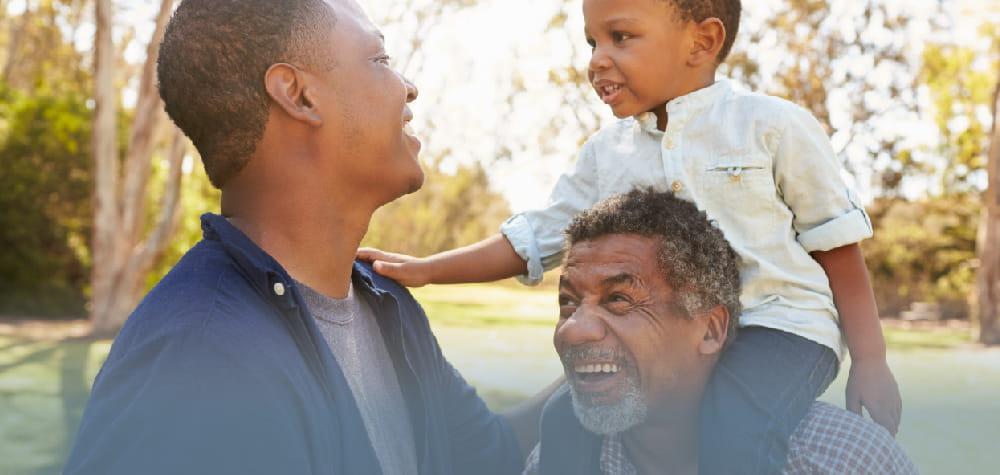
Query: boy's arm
x: 488, y: 260
x: 870, y: 383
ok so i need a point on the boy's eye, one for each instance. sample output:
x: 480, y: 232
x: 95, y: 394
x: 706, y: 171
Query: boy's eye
x: 591, y: 43
x: 618, y: 36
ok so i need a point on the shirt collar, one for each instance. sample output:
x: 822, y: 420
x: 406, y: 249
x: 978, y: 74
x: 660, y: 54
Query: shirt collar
x: 683, y: 107
x: 614, y: 460
x: 262, y: 270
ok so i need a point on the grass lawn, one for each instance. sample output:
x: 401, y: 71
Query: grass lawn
x: 499, y: 337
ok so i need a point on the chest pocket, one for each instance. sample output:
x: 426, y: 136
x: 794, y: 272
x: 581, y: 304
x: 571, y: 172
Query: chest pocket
x: 739, y: 191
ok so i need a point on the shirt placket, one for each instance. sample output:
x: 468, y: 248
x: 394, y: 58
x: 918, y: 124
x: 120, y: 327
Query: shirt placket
x: 672, y: 158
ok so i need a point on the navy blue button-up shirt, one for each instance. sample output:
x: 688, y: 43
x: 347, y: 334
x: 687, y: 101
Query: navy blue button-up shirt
x: 221, y: 369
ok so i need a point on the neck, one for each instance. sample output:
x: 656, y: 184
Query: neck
x: 313, y: 233
x: 664, y: 447
x: 705, y: 79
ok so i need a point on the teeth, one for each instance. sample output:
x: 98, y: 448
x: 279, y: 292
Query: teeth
x: 598, y: 368
x: 606, y: 90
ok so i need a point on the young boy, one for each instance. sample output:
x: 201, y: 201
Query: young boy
x: 763, y: 169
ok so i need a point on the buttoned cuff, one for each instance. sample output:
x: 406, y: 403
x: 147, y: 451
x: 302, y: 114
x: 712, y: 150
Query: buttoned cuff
x: 518, y: 231
x: 843, y: 230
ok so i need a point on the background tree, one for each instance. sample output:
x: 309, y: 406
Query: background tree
x: 989, y: 238
x: 45, y: 188
x: 45, y: 171
x: 124, y: 247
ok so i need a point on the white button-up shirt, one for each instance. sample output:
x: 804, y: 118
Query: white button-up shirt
x: 761, y: 167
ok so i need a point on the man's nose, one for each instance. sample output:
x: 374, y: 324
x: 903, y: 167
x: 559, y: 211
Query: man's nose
x: 583, y: 326
x: 411, y: 90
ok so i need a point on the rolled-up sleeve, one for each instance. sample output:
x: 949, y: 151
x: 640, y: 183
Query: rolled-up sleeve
x: 537, y: 236
x: 827, y: 213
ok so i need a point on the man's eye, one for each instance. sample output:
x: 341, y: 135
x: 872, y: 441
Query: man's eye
x: 383, y: 59
x: 618, y: 303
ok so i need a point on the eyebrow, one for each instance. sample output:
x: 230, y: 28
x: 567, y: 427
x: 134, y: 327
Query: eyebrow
x: 623, y: 278
x: 615, y: 22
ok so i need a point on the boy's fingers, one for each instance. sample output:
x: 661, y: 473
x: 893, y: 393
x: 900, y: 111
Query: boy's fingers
x: 888, y: 421
x: 368, y: 254
x: 385, y: 268
x: 853, y: 404
x: 887, y: 417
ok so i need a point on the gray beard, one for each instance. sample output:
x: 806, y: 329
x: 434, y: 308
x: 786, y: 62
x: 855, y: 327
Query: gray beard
x: 606, y: 419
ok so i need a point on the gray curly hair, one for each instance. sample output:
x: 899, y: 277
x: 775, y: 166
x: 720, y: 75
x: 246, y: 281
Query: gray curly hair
x: 694, y: 256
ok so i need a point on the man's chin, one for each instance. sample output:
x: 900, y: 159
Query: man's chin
x: 606, y: 414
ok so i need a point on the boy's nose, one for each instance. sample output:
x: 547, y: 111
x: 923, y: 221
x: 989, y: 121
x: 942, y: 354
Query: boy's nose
x: 599, y: 60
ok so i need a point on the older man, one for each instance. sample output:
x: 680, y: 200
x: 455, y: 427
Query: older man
x: 646, y: 295
x: 267, y: 349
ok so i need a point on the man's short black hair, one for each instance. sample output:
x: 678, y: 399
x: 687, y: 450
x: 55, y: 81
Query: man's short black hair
x: 727, y: 11
x: 211, y: 70
x: 694, y: 256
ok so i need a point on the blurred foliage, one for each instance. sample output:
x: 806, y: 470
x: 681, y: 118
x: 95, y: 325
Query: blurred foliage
x: 924, y: 251
x: 37, y: 55
x: 45, y: 188
x: 849, y: 63
x: 451, y: 210
x: 199, y: 197
x: 962, y: 94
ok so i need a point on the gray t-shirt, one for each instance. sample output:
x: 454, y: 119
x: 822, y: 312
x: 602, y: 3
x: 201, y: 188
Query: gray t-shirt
x: 350, y: 329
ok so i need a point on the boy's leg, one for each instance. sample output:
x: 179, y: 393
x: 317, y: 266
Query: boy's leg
x: 761, y: 387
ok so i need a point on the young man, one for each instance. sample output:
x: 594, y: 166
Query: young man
x: 267, y: 349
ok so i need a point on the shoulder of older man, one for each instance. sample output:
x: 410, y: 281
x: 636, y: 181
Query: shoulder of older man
x: 831, y: 440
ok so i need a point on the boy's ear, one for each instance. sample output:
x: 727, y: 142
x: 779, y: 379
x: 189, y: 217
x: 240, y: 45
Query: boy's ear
x: 289, y: 88
x: 709, y: 35
x: 716, y: 330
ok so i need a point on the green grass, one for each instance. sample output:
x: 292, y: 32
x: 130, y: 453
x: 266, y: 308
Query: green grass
x: 944, y: 338
x: 500, y: 339
x: 43, y: 389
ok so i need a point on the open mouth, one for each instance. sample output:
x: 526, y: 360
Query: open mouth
x: 609, y: 91
x: 594, y: 377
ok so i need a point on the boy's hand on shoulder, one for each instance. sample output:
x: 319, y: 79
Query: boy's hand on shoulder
x: 407, y: 270
x: 871, y: 385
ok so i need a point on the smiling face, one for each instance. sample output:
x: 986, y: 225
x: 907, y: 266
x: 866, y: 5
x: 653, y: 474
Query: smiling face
x: 627, y: 350
x: 366, y: 125
x: 640, y: 55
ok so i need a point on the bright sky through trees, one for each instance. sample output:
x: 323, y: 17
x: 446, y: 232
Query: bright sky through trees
x: 471, y: 60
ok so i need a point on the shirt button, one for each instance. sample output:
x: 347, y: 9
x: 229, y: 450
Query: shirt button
x: 279, y: 288
x: 676, y: 186
x: 669, y: 144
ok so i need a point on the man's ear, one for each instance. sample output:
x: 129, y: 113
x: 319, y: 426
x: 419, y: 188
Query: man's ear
x: 709, y: 35
x: 288, y: 87
x: 716, y: 330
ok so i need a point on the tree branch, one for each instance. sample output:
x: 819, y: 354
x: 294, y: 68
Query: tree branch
x: 140, y: 145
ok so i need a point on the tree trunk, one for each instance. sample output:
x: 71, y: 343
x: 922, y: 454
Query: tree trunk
x: 121, y: 254
x: 104, y: 138
x: 988, y: 245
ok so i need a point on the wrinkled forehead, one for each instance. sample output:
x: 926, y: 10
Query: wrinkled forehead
x: 611, y: 257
